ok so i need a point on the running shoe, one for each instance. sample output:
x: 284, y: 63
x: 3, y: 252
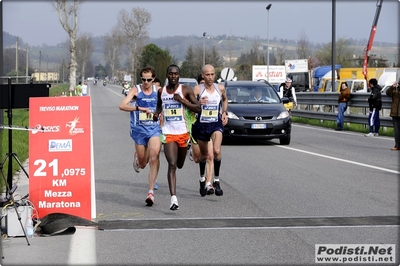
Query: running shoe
x: 218, y: 190
x: 210, y: 189
x: 376, y: 134
x: 174, y: 204
x: 370, y: 134
x: 156, y: 186
x: 203, y: 190
x: 135, y: 163
x: 150, y: 199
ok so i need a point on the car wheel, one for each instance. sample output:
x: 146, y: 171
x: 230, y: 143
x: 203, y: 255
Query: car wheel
x: 285, y: 140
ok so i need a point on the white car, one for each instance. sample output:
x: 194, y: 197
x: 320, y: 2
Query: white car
x: 185, y: 81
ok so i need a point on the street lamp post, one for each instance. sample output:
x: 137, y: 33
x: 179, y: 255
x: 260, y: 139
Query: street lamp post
x: 268, y: 8
x: 204, y: 48
x: 40, y: 64
x: 16, y: 58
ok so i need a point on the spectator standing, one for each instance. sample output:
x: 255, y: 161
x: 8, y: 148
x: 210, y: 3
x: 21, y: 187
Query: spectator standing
x: 84, y: 89
x: 343, y: 99
x: 78, y: 89
x: 394, y: 93
x: 375, y: 105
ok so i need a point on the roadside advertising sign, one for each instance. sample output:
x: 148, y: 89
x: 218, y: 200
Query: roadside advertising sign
x: 296, y: 66
x: 277, y: 74
x: 60, y: 164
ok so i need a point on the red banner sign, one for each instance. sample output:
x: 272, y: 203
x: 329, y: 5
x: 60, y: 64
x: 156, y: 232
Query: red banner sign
x: 60, y: 156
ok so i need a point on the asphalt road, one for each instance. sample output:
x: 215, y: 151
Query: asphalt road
x: 326, y: 187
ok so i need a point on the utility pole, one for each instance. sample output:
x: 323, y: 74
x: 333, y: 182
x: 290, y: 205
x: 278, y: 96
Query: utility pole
x: 1, y: 82
x: 26, y: 67
x: 47, y: 68
x: 40, y: 64
x: 204, y: 49
x: 268, y: 8
x: 16, y: 58
x: 63, y: 71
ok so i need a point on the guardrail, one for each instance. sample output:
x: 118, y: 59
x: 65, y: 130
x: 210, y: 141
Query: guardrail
x: 323, y: 106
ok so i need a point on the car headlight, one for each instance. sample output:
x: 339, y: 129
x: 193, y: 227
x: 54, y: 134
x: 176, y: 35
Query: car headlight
x: 232, y: 115
x: 283, y: 115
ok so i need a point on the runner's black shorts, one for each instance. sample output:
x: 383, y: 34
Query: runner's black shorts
x: 203, y: 131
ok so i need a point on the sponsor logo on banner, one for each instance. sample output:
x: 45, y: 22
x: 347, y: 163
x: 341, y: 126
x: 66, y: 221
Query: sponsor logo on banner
x: 45, y: 129
x: 60, y: 145
x: 73, y: 130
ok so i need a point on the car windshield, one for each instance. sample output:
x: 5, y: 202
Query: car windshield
x: 189, y: 84
x: 252, y: 94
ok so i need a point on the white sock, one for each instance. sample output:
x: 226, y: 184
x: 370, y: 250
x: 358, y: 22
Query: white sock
x: 151, y: 191
x: 202, y: 178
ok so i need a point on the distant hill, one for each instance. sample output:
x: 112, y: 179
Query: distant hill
x: 10, y: 40
x: 228, y: 46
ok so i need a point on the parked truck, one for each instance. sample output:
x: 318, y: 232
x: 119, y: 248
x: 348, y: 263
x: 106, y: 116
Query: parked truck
x: 346, y: 74
x: 318, y: 73
x: 388, y: 78
x: 354, y: 85
x: 299, y: 71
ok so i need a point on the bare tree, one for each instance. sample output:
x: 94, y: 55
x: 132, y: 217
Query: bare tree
x: 256, y: 55
x: 84, y: 50
x: 191, y: 67
x: 112, y: 45
x: 214, y: 57
x: 344, y: 53
x: 193, y: 63
x: 68, y: 16
x: 134, y: 26
x: 282, y: 54
x: 303, y: 46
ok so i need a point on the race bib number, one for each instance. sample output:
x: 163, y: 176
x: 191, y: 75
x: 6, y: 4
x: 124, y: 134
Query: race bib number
x: 173, y: 112
x: 146, y: 119
x: 209, y: 113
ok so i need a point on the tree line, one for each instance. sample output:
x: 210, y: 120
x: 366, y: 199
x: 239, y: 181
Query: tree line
x: 125, y: 51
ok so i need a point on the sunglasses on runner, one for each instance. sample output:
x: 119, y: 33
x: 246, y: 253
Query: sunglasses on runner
x: 148, y: 80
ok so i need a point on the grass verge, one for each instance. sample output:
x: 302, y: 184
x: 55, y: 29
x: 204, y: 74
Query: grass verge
x: 386, y: 131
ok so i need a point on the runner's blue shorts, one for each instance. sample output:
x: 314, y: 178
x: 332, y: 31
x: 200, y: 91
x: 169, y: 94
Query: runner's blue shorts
x: 142, y: 134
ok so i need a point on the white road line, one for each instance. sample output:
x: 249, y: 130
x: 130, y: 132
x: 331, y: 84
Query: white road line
x: 341, y: 160
x: 256, y: 228
x: 82, y: 250
x: 119, y: 94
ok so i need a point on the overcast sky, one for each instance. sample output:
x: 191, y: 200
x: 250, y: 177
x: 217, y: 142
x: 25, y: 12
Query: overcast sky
x: 36, y: 22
